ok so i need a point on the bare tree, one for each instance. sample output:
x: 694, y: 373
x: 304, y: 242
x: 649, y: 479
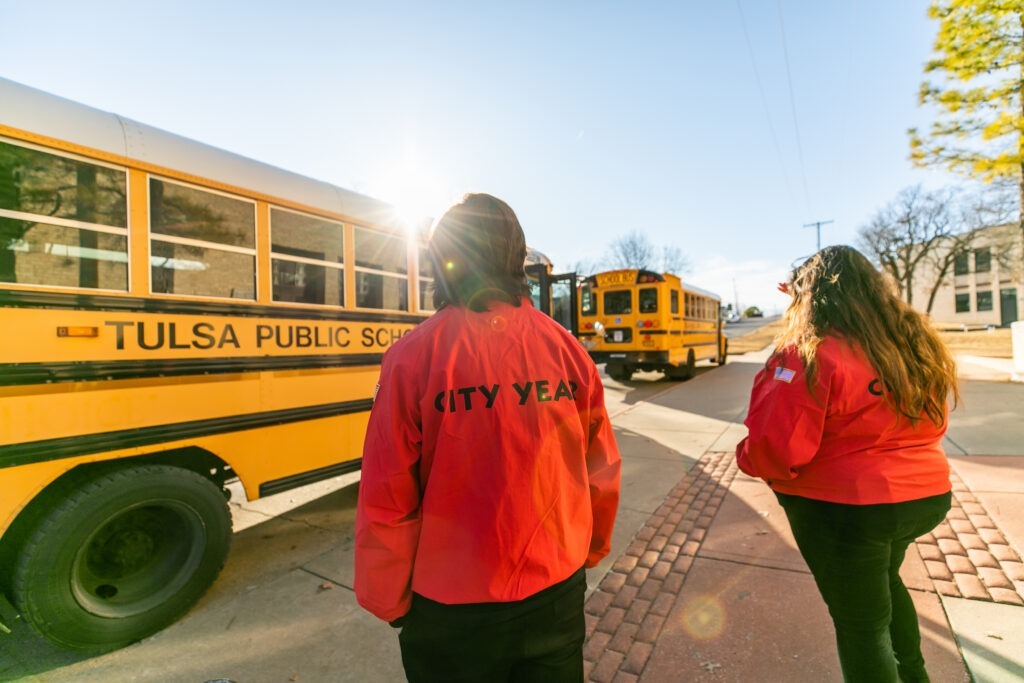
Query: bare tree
x: 635, y: 250
x: 922, y: 234
x: 585, y: 267
x: 632, y: 251
x: 673, y: 261
x: 903, y: 234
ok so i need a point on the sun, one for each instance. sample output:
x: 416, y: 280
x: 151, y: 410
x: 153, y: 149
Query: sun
x: 417, y: 194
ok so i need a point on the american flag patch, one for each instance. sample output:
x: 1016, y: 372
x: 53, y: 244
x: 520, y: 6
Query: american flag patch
x: 375, y: 390
x: 784, y: 375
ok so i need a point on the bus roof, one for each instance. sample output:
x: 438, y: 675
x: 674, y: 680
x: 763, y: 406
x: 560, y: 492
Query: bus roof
x: 698, y: 290
x: 593, y: 279
x: 34, y: 111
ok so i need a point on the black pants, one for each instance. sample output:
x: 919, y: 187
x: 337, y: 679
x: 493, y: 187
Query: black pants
x: 536, y: 640
x: 855, y: 553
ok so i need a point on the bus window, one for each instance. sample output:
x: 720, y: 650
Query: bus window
x: 648, y: 300
x: 674, y: 304
x: 62, y: 221
x: 426, y: 280
x: 381, y: 271
x: 307, y: 259
x: 588, y: 305
x: 618, y: 303
x: 202, y: 243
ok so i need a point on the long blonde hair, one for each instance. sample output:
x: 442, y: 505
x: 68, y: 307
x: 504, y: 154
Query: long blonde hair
x: 838, y: 292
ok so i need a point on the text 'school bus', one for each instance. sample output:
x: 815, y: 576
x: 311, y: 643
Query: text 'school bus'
x: 172, y: 317
x: 641, y: 320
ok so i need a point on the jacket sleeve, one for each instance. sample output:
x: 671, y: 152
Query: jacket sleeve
x: 388, y: 509
x: 785, y: 421
x: 604, y: 466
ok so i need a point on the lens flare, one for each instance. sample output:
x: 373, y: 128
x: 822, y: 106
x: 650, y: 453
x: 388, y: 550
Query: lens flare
x: 704, y: 617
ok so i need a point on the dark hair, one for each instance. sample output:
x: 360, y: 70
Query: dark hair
x: 837, y: 291
x: 479, y: 254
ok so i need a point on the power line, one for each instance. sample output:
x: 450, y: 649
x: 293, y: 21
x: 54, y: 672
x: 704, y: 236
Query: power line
x: 792, y: 105
x: 818, y: 225
x: 764, y: 99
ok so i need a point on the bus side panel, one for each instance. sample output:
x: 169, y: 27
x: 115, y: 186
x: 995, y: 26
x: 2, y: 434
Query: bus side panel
x: 270, y: 454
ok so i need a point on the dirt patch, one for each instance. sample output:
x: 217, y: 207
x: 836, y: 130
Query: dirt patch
x: 993, y: 342
x: 756, y: 340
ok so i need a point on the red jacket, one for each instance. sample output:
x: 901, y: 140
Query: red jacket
x: 490, y: 470
x: 848, y: 446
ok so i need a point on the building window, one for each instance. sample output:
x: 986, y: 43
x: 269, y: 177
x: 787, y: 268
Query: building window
x: 962, y: 263
x: 963, y: 303
x: 984, y: 300
x: 982, y: 260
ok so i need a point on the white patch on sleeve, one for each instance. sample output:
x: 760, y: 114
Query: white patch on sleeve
x: 375, y: 390
x: 785, y: 375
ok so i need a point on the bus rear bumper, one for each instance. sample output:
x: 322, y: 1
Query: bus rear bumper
x: 634, y: 358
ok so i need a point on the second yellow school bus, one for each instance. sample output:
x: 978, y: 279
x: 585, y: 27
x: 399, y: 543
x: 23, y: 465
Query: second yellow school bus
x: 633, y: 319
x: 174, y: 316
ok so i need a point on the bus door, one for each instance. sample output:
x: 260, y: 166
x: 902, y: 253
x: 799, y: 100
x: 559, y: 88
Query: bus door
x: 554, y: 295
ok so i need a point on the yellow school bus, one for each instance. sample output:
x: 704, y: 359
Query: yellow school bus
x: 174, y: 317
x: 634, y: 319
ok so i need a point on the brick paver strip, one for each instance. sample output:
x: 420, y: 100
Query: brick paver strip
x: 663, y: 549
x: 966, y: 557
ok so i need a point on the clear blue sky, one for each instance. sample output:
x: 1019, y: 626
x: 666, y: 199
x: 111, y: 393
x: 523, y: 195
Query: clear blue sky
x: 592, y: 119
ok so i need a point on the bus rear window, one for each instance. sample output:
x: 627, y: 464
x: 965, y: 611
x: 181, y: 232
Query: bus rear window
x: 618, y: 303
x: 588, y: 305
x: 648, y: 300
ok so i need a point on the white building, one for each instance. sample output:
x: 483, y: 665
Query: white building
x: 984, y: 287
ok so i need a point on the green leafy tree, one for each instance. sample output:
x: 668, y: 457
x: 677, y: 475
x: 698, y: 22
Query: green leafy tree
x: 979, y: 53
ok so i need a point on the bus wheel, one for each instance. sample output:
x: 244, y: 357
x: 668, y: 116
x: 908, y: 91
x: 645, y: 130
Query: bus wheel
x: 683, y: 371
x: 725, y: 352
x: 620, y: 372
x: 121, y: 556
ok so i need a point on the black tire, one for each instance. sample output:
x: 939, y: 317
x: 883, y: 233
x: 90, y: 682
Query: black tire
x: 620, y: 372
x: 683, y: 372
x: 724, y: 354
x: 123, y: 555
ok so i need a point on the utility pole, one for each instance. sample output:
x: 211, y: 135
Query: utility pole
x: 818, y: 225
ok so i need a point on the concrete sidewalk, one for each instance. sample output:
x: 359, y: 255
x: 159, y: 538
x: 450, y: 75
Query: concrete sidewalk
x: 703, y: 582
x: 712, y: 587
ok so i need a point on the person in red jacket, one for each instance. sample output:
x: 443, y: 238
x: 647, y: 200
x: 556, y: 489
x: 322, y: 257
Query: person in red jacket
x: 490, y: 474
x: 845, y: 424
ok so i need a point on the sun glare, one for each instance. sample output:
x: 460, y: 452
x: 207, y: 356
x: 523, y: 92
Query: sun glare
x: 415, y: 193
